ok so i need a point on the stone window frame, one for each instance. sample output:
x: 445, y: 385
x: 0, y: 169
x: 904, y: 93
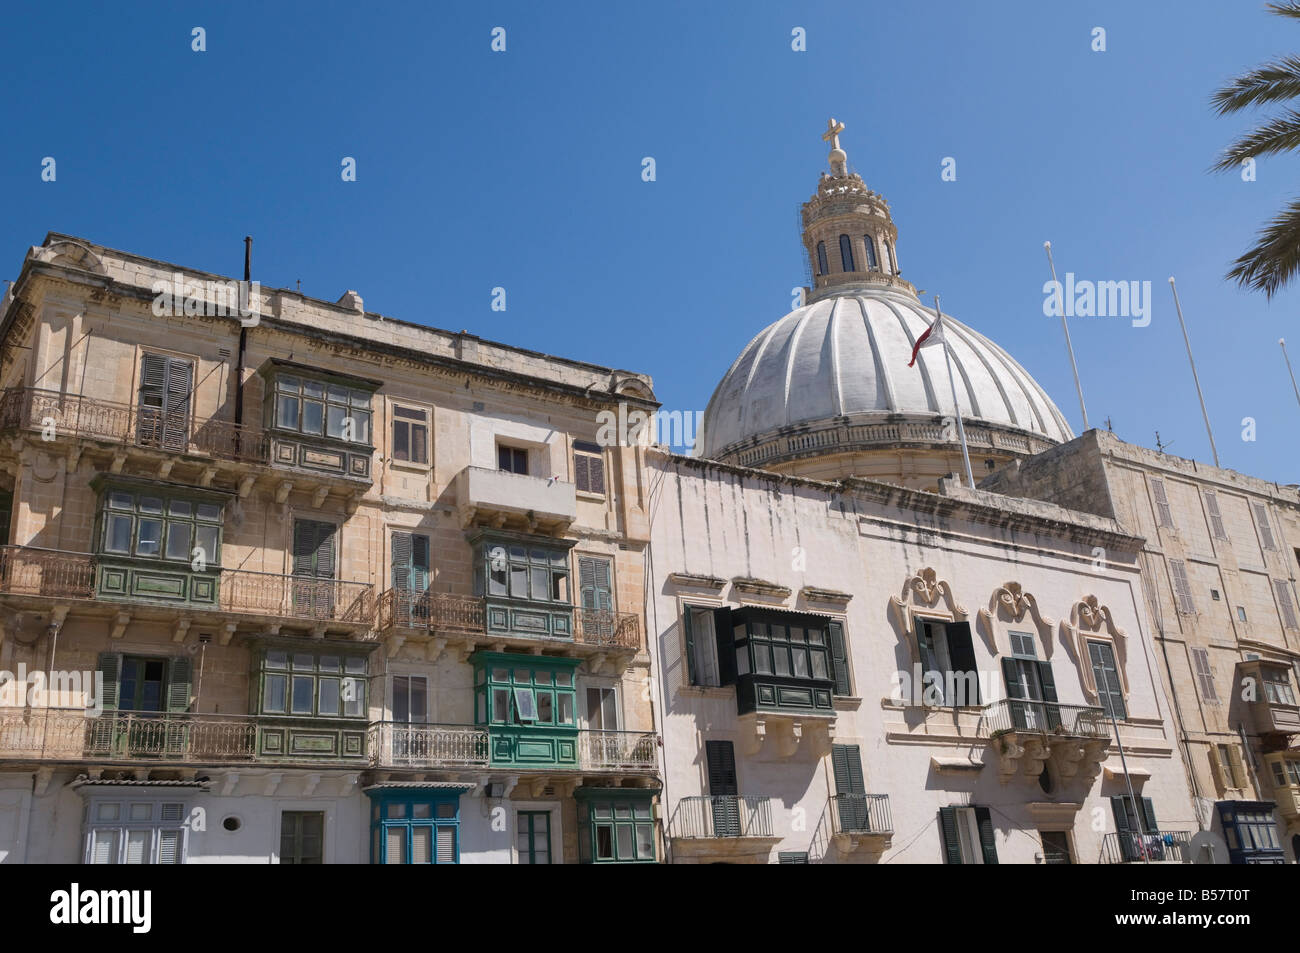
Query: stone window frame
x: 1090, y: 621
x: 391, y: 404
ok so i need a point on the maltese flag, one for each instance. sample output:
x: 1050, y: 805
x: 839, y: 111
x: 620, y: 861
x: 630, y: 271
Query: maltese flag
x: 933, y: 335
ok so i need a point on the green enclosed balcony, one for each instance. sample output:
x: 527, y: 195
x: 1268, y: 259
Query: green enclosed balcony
x: 528, y: 704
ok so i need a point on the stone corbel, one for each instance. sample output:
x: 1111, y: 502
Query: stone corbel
x: 272, y: 783
x: 753, y: 742
x: 229, y: 784
x: 246, y: 485
x: 538, y: 786
x: 922, y: 594
x: 120, y: 622
x: 318, y: 498
x: 318, y: 631
x: 1013, y: 603
x: 74, y: 457
x: 393, y: 644
x: 310, y: 784
x: 1089, y: 618
x: 348, y: 783
x: 181, y: 630
x: 119, y: 461
x: 42, y: 783
x: 351, y: 503
x: 165, y: 468
x: 283, y: 490
x: 435, y: 647
x: 508, y: 785
x: 227, y: 633
x: 207, y: 476
x: 596, y: 662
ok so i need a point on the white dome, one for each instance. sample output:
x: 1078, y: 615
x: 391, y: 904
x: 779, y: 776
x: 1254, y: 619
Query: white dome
x: 843, y: 359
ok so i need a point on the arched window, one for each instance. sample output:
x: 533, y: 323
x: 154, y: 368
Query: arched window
x: 822, y: 267
x: 870, y: 242
x: 893, y: 262
x: 846, y: 253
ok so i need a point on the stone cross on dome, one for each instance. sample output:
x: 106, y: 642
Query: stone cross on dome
x: 838, y: 157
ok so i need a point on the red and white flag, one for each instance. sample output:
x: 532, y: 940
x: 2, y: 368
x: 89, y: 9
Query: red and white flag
x: 933, y: 335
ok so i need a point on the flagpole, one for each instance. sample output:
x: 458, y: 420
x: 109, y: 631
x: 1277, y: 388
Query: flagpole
x: 1179, y: 308
x: 952, y: 382
x: 1282, y: 343
x: 1066, y: 328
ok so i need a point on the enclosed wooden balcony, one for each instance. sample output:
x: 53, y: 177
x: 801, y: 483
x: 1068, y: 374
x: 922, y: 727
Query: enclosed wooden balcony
x: 1268, y: 691
x: 31, y: 576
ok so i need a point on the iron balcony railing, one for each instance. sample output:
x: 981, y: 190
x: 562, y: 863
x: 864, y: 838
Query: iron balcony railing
x: 177, y: 430
x: 617, y: 750
x: 724, y: 815
x: 1049, y: 718
x: 1134, y: 847
x: 70, y: 735
x: 29, y: 571
x: 861, y: 814
x: 444, y: 612
x: 407, y: 745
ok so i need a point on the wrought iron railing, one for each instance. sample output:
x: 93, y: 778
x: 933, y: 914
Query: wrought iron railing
x: 1133, y: 847
x: 617, y: 750
x: 178, y: 431
x: 603, y: 627
x: 437, y: 611
x: 1049, y: 718
x: 723, y: 815
x: 861, y: 814
x: 62, y: 734
x: 396, y: 744
x: 45, y: 572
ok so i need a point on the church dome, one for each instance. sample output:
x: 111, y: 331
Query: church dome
x: 826, y: 391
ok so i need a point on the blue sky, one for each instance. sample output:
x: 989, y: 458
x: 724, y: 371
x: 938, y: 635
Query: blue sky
x: 522, y: 170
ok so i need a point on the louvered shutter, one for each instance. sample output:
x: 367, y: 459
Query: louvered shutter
x: 1018, y: 710
x: 100, y: 740
x: 688, y: 630
x: 984, y: 822
x: 596, y: 474
x: 169, y: 847
x: 1048, y: 683
x: 924, y: 646
x: 1149, y: 815
x: 421, y: 844
x: 726, y: 646
x: 1216, y: 517
x: 1126, y: 825
x: 1265, y: 529
x: 1182, y: 588
x: 1164, y: 515
x: 1284, y: 603
x: 839, y: 658
x: 846, y: 761
x: 948, y: 827
x: 176, y: 425
x: 721, y: 761
x: 447, y: 845
x: 152, y: 397
x: 401, y: 559
x: 1205, y: 675
x: 419, y: 562
x: 396, y: 852
x: 1217, y: 770
x: 179, y: 675
x: 962, y: 652
x: 581, y: 477
x: 1238, y: 767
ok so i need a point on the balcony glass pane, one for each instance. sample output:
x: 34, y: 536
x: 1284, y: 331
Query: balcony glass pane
x: 500, y: 705
x: 563, y: 678
x: 277, y: 659
x: 354, y: 697
x: 304, y: 660
x: 329, y: 696
x: 148, y: 537
x: 604, y: 841
x: 178, y: 540
x: 302, y: 694
x: 313, y: 388
x: 206, y: 539
x: 121, y: 501
x: 180, y: 508
x: 625, y: 841
x: 329, y: 663
x: 313, y: 417
x: 151, y: 504
x: 355, y: 665
x: 519, y: 582
x: 645, y: 842
x: 286, y: 414
x: 209, y: 511
x: 540, y: 587
x: 566, y: 708
x: 287, y: 383
x: 361, y: 428
x: 819, y: 665
x: 275, y: 690
x: 118, y: 534
x: 334, y: 418
x: 545, y: 707
x: 799, y: 657
x: 338, y: 393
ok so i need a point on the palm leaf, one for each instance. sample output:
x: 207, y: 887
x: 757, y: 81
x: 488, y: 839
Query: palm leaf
x: 1270, y: 83
x: 1279, y: 134
x: 1287, y: 8
x: 1275, y: 259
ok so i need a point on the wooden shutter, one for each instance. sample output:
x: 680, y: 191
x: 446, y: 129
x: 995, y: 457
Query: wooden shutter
x: 596, y: 473
x: 593, y: 581
x: 446, y: 844
x: 1182, y: 588
x: 984, y: 822
x: 721, y: 759
x: 726, y: 646
x: 962, y: 652
x: 924, y: 647
x: 1015, y: 692
x: 948, y: 828
x: 313, y: 549
x: 1149, y: 815
x: 180, y: 379
x: 839, y: 659
x: 401, y: 559
x: 1284, y: 603
x: 688, y: 630
x: 1164, y: 515
x: 179, y: 675
x: 1216, y: 517
x: 581, y: 476
x: 1205, y: 675
x: 110, y: 663
x: 1048, y: 683
x: 847, y: 763
x: 1238, y: 767
x: 1217, y: 770
x: 1265, y: 529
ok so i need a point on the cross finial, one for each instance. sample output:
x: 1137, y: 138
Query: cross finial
x: 832, y: 133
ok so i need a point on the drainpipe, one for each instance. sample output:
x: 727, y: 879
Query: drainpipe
x: 243, y: 344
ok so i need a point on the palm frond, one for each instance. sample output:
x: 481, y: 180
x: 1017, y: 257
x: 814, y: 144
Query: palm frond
x: 1279, y: 134
x: 1275, y: 259
x: 1273, y: 82
x: 1286, y: 8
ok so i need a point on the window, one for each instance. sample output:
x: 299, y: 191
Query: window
x: 410, y: 561
x: 1204, y: 676
x: 1182, y: 588
x: 302, y: 837
x: 967, y: 835
x: 533, y: 836
x: 1265, y: 528
x: 1241, y: 613
x: 1164, y: 515
x: 594, y: 587
x: 1056, y: 847
x: 415, y: 827
x: 516, y: 690
x: 619, y: 826
x: 850, y: 790
x: 1030, y: 686
x: 1277, y: 685
x: 1284, y: 603
x: 410, y: 699
x: 410, y: 434
x: 846, y: 253
x: 142, y: 687
x: 164, y: 402
x: 602, y: 708
x: 135, y: 831
x: 159, y: 527
x: 1228, y: 768
x: 521, y: 570
x: 1214, y: 595
x: 512, y: 459
x: 822, y: 266
x: 588, y: 468
x: 1286, y: 772
x: 1105, y: 673
x: 701, y: 646
x: 723, y: 812
x: 311, y: 684
x: 1135, y: 823
x: 141, y: 683
x: 320, y: 408
x: 313, y: 566
x: 893, y: 262
x: 774, y: 647
x: 870, y: 244
x: 1251, y: 832
x: 946, y: 648
x: 1216, y: 518
x: 792, y: 857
